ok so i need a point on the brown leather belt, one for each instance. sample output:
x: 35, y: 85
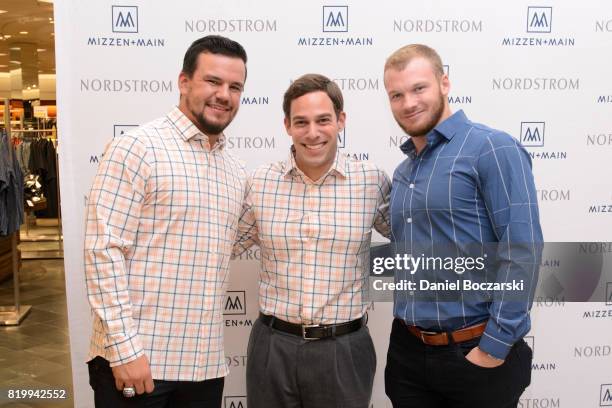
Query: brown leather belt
x: 313, y: 331
x: 441, y: 339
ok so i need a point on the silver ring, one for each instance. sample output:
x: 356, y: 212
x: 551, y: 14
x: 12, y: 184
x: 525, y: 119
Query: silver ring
x: 129, y: 392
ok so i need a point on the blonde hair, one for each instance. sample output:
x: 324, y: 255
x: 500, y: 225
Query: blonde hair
x: 400, y: 58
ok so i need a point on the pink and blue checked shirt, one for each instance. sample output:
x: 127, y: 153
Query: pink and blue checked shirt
x: 314, y: 238
x: 162, y: 217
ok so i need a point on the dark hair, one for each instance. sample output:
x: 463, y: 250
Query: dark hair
x: 312, y: 83
x: 212, y: 44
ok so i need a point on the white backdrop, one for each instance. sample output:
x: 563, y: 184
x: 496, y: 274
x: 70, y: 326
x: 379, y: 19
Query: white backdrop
x: 538, y: 70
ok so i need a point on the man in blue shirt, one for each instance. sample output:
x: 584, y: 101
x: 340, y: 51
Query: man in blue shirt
x: 463, y: 188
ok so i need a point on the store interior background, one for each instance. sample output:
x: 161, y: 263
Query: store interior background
x: 34, y: 354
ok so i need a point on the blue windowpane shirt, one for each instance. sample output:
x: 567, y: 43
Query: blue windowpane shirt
x: 470, y: 185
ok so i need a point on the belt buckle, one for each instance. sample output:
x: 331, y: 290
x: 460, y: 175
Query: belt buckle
x: 308, y: 326
x: 424, y: 333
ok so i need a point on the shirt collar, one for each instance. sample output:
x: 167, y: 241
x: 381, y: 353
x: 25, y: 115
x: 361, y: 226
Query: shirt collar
x: 338, y: 167
x: 444, y: 130
x: 188, y: 130
x: 449, y: 127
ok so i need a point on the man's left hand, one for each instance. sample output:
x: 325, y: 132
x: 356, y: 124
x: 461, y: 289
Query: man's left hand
x: 478, y: 357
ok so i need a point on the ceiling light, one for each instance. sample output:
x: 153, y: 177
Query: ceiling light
x: 23, y: 32
x: 29, y: 88
x: 7, y: 36
x: 3, y: 54
x: 41, y: 49
x: 34, y: 86
x: 46, y: 1
x: 15, y: 62
x: 3, y: 66
x: 2, y: 11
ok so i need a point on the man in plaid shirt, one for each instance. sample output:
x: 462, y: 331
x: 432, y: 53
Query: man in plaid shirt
x: 162, y: 217
x: 312, y: 216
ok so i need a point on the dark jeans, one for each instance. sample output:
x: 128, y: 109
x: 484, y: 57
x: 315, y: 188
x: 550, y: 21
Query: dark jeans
x: 285, y: 371
x: 418, y: 375
x: 167, y: 394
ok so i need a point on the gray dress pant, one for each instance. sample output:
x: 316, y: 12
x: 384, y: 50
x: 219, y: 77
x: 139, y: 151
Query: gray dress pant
x: 286, y: 371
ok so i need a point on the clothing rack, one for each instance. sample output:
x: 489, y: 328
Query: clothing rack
x: 33, y: 133
x: 13, y: 315
x: 47, y: 134
x: 32, y: 130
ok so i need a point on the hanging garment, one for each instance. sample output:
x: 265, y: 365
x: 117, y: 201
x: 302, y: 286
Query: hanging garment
x: 43, y: 162
x: 23, y: 156
x: 11, y: 188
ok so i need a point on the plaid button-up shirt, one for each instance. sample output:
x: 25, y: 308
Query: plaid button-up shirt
x: 162, y: 217
x: 314, y: 237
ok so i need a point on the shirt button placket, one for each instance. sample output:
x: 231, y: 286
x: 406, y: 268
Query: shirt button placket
x: 411, y: 187
x: 310, y: 273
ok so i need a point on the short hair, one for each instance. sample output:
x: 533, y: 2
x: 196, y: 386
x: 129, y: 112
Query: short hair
x: 400, y: 58
x: 212, y: 44
x: 313, y: 83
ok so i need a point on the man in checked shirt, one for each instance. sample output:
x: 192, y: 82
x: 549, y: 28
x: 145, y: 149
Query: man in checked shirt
x: 161, y: 221
x: 467, y: 189
x: 312, y: 216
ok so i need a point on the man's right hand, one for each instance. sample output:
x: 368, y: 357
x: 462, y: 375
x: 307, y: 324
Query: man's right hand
x: 136, y: 373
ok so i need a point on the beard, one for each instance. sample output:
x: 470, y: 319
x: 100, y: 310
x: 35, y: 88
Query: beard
x: 434, y: 115
x: 205, y: 125
x: 208, y: 127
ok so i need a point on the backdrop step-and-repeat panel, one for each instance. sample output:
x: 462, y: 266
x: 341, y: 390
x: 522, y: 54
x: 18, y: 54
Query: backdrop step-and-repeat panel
x: 538, y: 70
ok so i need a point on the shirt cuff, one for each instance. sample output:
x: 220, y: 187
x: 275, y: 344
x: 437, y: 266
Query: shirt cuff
x: 492, y: 344
x: 121, y: 348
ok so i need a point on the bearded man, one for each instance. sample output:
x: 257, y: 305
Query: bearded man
x: 462, y: 185
x: 162, y: 217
